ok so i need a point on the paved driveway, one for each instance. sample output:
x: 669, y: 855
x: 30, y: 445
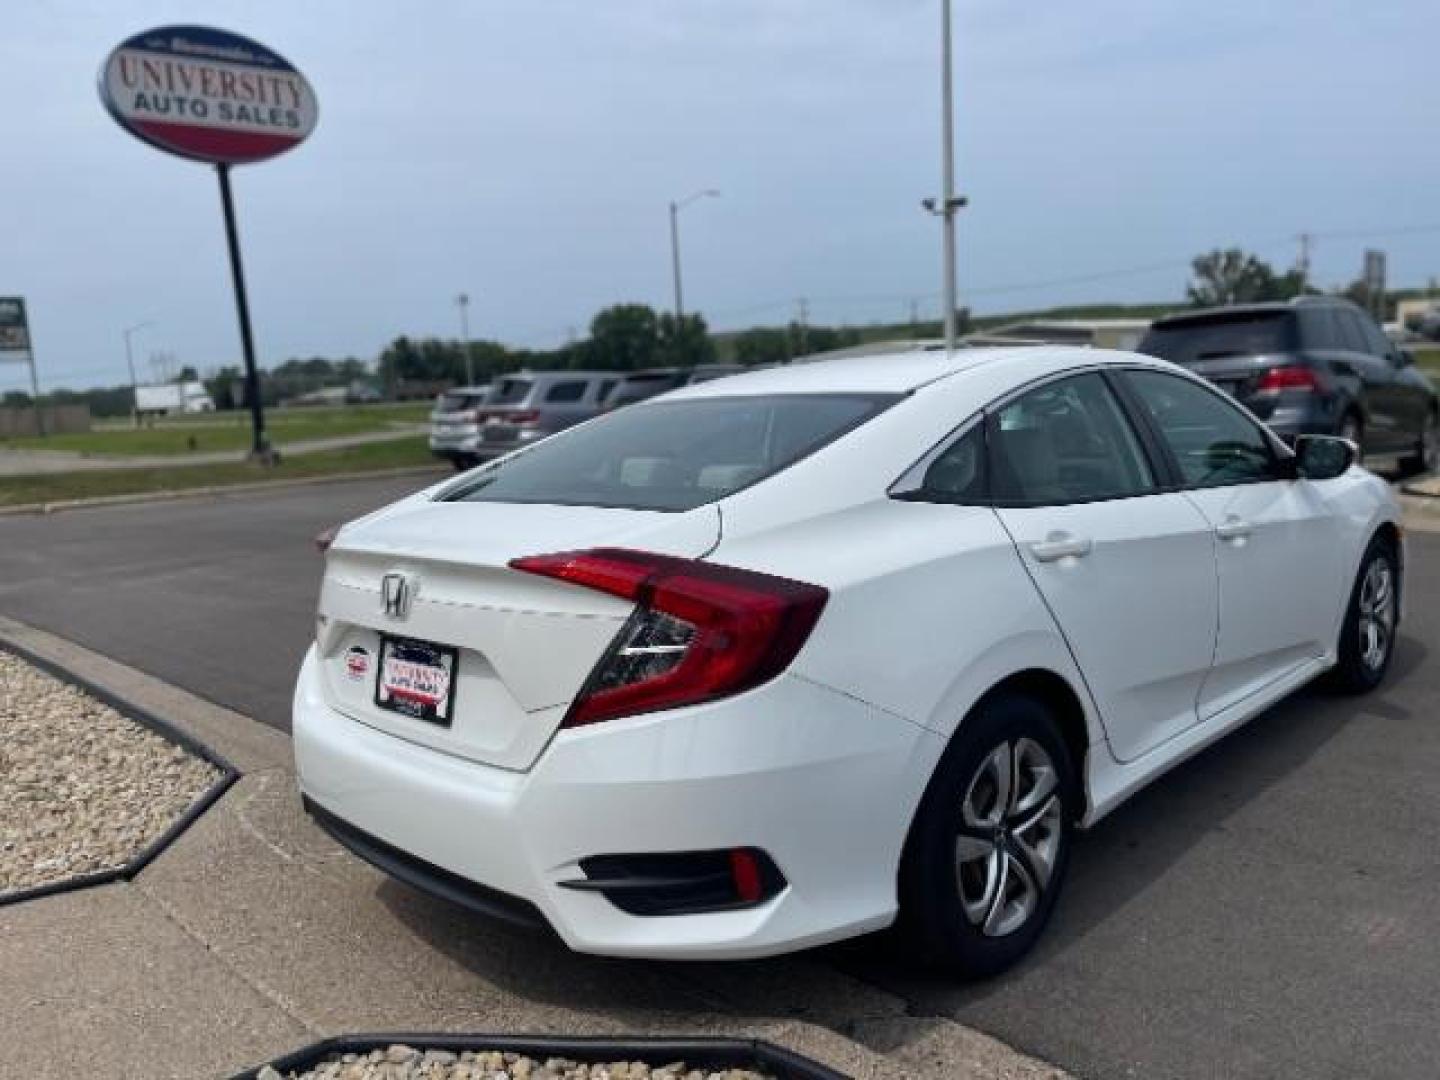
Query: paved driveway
x: 1268, y: 910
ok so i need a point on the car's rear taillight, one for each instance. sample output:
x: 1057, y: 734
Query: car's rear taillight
x: 519, y: 417
x: 699, y: 630
x: 1288, y: 378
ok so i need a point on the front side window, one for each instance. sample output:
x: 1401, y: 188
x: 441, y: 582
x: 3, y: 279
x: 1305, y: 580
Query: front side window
x: 1064, y: 442
x: 1213, y: 442
x: 672, y: 455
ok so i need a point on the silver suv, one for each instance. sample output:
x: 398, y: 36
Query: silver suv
x: 529, y: 405
x: 454, y: 422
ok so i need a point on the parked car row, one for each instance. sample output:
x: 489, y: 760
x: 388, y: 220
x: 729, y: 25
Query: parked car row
x: 470, y: 424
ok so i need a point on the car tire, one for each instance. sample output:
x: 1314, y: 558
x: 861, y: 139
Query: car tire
x: 986, y: 856
x: 1427, y: 448
x: 1367, y: 637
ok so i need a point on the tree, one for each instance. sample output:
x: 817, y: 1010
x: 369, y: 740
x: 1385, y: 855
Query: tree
x: 1233, y: 276
x: 624, y: 337
x: 763, y: 345
x: 686, y: 342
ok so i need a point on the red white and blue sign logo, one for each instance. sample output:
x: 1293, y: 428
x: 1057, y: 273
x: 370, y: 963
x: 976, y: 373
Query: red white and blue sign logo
x: 208, y: 95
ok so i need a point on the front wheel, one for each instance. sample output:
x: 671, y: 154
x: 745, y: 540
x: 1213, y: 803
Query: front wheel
x: 991, y: 842
x: 1367, y: 639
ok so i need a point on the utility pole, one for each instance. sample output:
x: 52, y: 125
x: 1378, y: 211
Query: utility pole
x: 803, y: 322
x: 463, y: 303
x: 914, y: 319
x: 130, y: 363
x: 949, y: 204
x: 1302, y: 264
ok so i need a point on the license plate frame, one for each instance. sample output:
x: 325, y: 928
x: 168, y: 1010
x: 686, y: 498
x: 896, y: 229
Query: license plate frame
x: 414, y: 701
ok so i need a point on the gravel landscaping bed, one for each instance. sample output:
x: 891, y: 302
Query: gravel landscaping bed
x: 83, y: 789
x: 407, y: 1063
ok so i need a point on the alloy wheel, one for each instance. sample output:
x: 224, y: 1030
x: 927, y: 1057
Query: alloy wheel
x: 1010, y: 836
x: 1377, y: 613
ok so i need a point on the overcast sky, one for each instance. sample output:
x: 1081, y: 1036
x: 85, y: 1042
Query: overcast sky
x: 524, y: 151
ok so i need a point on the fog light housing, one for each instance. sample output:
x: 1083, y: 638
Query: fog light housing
x: 682, y: 882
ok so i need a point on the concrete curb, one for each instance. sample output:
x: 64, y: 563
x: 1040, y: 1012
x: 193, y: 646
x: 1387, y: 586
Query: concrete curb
x: 210, y: 491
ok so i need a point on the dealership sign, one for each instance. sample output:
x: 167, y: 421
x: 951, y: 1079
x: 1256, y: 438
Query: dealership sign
x: 207, y: 94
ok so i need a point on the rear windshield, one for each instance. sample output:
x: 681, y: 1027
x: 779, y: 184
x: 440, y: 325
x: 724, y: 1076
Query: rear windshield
x: 509, y: 391
x: 460, y: 402
x: 1214, y: 338
x: 672, y: 455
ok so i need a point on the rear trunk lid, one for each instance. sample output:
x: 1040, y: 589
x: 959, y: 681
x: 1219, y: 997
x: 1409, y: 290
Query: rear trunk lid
x: 481, y: 661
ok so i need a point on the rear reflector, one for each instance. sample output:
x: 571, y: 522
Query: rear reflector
x: 1288, y: 378
x: 682, y: 882
x: 699, y: 631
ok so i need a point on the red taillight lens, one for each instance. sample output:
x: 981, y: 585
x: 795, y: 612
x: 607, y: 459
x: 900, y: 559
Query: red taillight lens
x: 519, y: 416
x: 1288, y: 378
x: 699, y: 631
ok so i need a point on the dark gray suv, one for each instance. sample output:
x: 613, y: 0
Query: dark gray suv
x: 1314, y: 365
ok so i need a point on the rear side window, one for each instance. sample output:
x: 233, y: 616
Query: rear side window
x: 1215, y: 337
x: 673, y: 455
x: 1064, y: 442
x: 572, y: 390
x: 510, y: 391
x: 1318, y: 329
x: 460, y: 402
x: 1213, y: 442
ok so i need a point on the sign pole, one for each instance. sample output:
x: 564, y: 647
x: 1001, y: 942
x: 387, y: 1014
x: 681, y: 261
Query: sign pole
x: 35, y: 391
x: 259, y: 444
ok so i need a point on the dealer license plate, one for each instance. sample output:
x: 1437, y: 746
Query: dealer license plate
x: 417, y: 679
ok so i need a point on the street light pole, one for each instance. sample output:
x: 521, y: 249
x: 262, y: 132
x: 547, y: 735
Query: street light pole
x: 463, y: 302
x: 130, y: 363
x: 948, y: 178
x: 675, y: 208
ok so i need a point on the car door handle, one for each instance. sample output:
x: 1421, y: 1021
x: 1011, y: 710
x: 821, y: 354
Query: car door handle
x: 1061, y: 545
x: 1234, y: 528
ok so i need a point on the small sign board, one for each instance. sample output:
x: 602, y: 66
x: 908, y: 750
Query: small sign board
x: 14, y: 329
x: 208, y: 95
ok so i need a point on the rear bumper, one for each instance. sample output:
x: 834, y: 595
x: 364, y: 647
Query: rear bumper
x: 821, y: 782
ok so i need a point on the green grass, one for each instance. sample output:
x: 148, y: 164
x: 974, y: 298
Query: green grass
x: 92, y: 483
x: 223, y: 431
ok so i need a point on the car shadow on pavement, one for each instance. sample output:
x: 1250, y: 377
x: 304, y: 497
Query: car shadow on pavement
x: 854, y: 987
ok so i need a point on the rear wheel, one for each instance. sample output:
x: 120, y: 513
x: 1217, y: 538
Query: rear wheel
x: 1426, y: 457
x: 1367, y: 639
x: 991, y: 842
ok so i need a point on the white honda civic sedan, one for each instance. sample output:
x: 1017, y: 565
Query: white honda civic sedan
x: 804, y: 653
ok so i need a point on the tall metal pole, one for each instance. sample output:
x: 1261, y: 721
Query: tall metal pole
x: 130, y: 363
x: 463, y: 302
x: 948, y: 178
x: 259, y: 444
x: 675, y: 262
x: 34, y: 381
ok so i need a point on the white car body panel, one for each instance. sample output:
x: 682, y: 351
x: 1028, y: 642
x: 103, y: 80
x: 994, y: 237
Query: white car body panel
x: 1166, y: 611
x: 931, y: 606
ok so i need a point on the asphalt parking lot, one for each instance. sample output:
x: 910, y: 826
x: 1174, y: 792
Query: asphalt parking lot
x: 1267, y: 910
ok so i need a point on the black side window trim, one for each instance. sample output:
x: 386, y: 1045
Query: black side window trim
x: 1172, y: 466
x: 967, y: 427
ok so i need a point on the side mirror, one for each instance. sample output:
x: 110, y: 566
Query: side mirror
x: 1323, y: 457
